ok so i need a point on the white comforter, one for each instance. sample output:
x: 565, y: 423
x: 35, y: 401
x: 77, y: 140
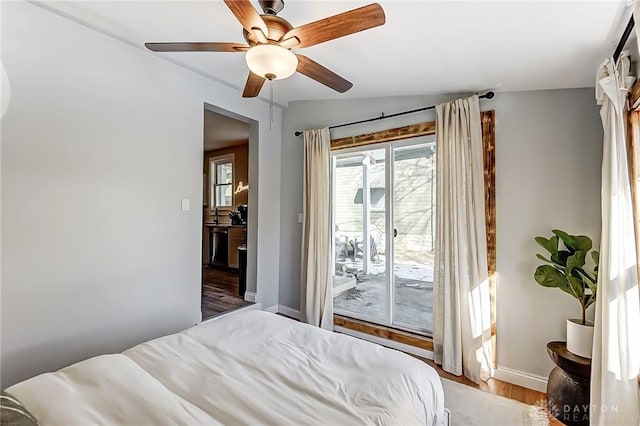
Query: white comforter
x: 249, y: 367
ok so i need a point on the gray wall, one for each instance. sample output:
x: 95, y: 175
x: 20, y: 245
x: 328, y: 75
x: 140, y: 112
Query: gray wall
x: 548, y: 154
x: 100, y: 143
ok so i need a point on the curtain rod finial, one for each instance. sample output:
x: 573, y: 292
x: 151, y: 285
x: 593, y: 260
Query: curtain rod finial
x: 489, y: 95
x: 298, y: 133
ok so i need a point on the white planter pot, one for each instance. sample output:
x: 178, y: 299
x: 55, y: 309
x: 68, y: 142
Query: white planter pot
x: 579, y: 337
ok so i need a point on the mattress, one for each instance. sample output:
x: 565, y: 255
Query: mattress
x: 248, y: 367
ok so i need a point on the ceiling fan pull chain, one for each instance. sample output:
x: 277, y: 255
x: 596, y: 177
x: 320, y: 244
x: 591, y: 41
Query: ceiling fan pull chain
x: 270, y: 103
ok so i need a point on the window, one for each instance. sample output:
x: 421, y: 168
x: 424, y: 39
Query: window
x: 221, y: 172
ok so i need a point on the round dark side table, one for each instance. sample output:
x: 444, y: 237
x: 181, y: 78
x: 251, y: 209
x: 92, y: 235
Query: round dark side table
x: 568, y: 385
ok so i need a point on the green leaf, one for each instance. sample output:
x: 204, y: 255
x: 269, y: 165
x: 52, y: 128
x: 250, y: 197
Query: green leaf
x: 576, y: 260
x: 595, y: 255
x: 567, y: 239
x: 544, y: 259
x: 583, y: 243
x: 576, y: 285
x: 548, y: 276
x: 587, y: 280
x: 550, y: 245
x: 569, y: 290
x: 561, y: 257
x: 574, y: 242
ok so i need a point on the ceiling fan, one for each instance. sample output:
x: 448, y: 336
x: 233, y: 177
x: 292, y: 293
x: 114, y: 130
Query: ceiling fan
x: 270, y: 39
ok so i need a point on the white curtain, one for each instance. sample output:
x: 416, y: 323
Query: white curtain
x: 316, y: 305
x: 462, y: 309
x: 615, y: 399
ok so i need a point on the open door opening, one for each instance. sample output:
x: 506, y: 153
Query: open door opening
x: 225, y: 213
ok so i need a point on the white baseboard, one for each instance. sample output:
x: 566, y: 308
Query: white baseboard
x: 250, y: 296
x: 244, y: 308
x: 257, y: 306
x: 273, y: 309
x: 526, y: 380
x: 385, y: 342
x: 290, y: 312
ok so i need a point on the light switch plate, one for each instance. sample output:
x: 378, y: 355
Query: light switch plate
x: 185, y: 205
x: 300, y: 218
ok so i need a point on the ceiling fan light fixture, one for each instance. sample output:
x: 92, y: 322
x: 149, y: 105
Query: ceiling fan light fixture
x: 271, y: 62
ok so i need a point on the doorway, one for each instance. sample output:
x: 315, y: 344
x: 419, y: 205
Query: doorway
x: 225, y: 213
x: 384, y: 219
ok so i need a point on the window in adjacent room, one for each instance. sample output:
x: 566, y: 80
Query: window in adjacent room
x: 221, y: 172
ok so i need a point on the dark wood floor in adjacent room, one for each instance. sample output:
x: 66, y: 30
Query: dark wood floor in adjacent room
x: 220, y: 292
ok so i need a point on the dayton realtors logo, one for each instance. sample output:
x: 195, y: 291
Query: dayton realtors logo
x: 567, y: 413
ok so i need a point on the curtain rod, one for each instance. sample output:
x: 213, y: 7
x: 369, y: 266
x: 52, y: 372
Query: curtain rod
x: 488, y: 95
x: 623, y: 40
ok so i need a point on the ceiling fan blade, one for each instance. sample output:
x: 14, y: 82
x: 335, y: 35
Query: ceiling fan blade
x: 253, y: 86
x: 249, y: 18
x: 337, y: 26
x: 317, y: 72
x: 196, y: 47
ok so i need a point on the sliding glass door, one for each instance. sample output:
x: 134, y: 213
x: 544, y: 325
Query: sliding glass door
x: 360, y: 273
x: 414, y: 225
x: 383, y: 215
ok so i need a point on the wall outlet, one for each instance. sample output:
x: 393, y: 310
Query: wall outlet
x: 185, y: 205
x: 300, y: 218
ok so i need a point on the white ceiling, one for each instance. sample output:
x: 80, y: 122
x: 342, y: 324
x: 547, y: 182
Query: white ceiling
x: 223, y: 132
x: 425, y: 47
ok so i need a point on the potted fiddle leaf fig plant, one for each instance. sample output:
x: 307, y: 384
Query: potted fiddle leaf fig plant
x: 566, y: 268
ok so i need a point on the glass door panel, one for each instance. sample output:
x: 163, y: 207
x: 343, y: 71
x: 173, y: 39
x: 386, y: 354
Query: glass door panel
x: 413, y: 248
x: 360, y: 286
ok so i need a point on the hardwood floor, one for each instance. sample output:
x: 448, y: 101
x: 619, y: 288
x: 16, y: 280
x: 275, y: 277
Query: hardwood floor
x: 494, y: 386
x: 220, y: 292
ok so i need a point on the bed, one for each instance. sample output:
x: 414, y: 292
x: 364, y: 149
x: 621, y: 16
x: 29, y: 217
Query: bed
x: 247, y: 367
